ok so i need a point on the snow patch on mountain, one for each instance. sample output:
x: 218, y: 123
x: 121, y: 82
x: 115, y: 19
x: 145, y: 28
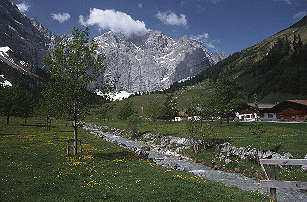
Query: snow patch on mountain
x: 4, y: 82
x: 5, y: 49
x: 120, y: 95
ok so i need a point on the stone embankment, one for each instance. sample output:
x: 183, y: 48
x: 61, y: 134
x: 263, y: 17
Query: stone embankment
x: 158, y: 149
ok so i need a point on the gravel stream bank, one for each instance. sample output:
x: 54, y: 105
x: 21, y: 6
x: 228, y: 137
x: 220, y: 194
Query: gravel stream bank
x: 186, y: 164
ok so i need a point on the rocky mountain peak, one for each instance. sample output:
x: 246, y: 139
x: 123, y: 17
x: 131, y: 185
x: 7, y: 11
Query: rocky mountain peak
x: 152, y: 61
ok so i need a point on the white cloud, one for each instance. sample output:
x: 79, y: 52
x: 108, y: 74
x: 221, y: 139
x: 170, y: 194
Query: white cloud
x: 289, y: 2
x: 200, y: 37
x: 140, y: 5
x: 205, y: 39
x: 60, y: 17
x: 299, y: 15
x: 171, y: 18
x: 211, y: 45
x: 23, y: 7
x: 115, y: 21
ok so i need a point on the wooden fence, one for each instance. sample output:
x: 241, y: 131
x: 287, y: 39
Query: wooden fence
x: 271, y: 181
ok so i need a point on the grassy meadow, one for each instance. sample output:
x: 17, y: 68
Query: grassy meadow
x: 34, y: 167
x: 285, y: 137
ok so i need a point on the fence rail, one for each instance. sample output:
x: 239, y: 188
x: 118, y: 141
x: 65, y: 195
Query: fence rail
x: 271, y: 181
x: 284, y: 162
x: 283, y: 184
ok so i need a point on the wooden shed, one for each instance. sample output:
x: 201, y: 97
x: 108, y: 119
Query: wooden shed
x: 291, y: 110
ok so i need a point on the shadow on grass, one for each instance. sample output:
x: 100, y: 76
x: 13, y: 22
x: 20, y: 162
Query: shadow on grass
x: 7, y: 134
x: 65, y: 131
x: 36, y: 125
x: 115, y: 155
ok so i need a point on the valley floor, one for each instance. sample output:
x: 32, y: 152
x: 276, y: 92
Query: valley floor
x: 34, y: 167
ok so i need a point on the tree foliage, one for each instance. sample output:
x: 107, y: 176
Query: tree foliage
x: 15, y: 101
x: 75, y: 66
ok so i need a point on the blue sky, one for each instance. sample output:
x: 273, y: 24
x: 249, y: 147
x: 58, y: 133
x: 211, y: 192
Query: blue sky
x: 225, y: 25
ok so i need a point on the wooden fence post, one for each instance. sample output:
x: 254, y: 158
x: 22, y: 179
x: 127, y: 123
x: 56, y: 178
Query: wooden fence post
x: 273, y: 177
x: 80, y: 146
x: 67, y: 147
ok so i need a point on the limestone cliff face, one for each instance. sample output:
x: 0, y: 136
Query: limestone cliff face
x: 153, y: 61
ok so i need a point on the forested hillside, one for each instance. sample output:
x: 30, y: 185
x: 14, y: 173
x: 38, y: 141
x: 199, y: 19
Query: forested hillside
x: 277, y: 65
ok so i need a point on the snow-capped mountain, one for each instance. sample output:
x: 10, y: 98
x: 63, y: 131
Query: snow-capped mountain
x: 153, y: 61
x: 144, y: 63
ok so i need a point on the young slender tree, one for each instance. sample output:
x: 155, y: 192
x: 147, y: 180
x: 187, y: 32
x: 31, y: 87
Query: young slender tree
x: 75, y: 65
x: 228, y: 97
x: 169, y: 108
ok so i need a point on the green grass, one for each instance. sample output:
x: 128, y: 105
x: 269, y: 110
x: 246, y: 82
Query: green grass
x: 34, y: 167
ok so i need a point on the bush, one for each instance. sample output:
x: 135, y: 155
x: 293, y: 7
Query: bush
x: 133, y: 123
x: 126, y: 110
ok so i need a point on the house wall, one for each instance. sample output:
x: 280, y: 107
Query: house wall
x: 291, y: 111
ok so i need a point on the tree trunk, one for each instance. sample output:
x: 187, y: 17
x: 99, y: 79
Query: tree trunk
x: 7, y: 120
x: 227, y: 120
x: 75, y: 138
x: 49, y: 124
x: 25, y: 120
x: 46, y: 124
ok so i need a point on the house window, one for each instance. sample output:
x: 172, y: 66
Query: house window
x: 270, y: 115
x: 248, y: 116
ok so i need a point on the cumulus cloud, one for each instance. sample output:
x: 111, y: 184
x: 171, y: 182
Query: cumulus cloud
x: 171, y: 18
x: 140, y: 5
x: 115, y: 21
x: 299, y: 15
x: 23, y: 7
x: 60, y: 17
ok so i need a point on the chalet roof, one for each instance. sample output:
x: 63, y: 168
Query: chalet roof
x: 302, y: 102
x: 262, y: 106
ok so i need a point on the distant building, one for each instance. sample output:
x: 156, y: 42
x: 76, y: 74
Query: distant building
x: 248, y: 113
x: 291, y: 110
